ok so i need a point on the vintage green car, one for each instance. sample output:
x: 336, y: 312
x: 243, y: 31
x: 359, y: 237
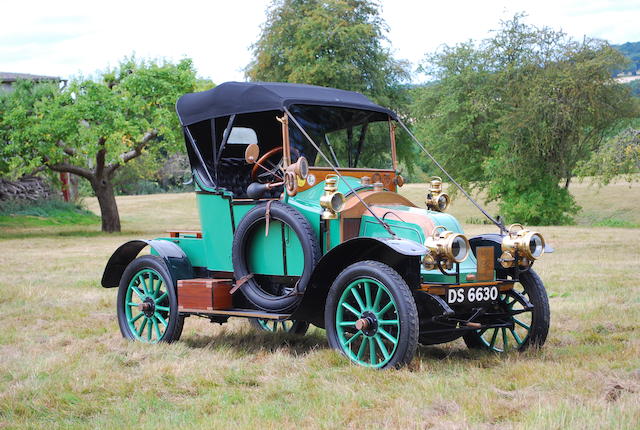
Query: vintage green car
x: 302, y: 224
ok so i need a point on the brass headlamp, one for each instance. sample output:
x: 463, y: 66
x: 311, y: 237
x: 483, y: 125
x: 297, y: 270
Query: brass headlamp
x: 445, y: 247
x: 332, y: 200
x: 526, y: 244
x: 436, y: 199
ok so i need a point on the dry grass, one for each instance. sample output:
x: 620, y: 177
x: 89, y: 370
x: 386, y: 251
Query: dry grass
x: 64, y: 365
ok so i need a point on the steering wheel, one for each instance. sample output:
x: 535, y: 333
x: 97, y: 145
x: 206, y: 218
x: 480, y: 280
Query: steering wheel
x: 266, y: 170
x: 269, y: 168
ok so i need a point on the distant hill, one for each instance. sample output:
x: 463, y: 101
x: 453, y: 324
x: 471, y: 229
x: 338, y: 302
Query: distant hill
x: 631, y: 50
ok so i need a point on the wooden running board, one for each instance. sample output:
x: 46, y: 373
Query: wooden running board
x: 244, y: 313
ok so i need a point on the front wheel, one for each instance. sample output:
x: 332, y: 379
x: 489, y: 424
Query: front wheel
x: 288, y: 326
x: 147, y: 302
x: 526, y: 326
x: 371, y: 316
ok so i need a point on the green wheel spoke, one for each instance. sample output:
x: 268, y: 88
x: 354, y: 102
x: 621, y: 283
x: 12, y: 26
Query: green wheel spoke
x: 358, y: 299
x: 159, y: 299
x: 151, y: 285
x: 158, y: 287
x: 352, y: 338
x: 505, y: 342
x: 387, y: 335
x: 493, y: 338
x: 383, y: 348
x: 367, y: 295
x: 142, y: 326
x: 156, y: 326
x: 347, y: 324
x: 161, y: 319
x: 149, y: 331
x: 143, y: 282
x: 135, y: 290
x: 385, y: 309
x: 351, y: 309
x: 376, y: 301
x: 362, y: 348
x: 520, y: 323
x: 136, y: 318
x: 274, y: 324
x: 162, y: 308
x: 372, y: 352
x: 516, y: 337
x: 388, y: 322
x: 132, y: 304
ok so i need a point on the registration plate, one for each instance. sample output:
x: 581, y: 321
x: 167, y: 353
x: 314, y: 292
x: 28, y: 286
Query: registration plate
x: 460, y: 295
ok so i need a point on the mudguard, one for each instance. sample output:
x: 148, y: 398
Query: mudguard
x: 176, y: 260
x: 403, y: 255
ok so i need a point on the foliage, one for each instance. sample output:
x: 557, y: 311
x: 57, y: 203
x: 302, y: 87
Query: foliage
x: 619, y: 156
x: 518, y: 111
x: 44, y: 212
x: 94, y: 128
x: 631, y: 50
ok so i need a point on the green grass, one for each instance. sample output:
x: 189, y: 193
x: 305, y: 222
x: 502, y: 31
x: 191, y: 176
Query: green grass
x: 63, y: 363
x: 44, y: 213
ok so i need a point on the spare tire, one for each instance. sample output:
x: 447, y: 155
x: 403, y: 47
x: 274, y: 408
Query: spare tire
x: 251, y: 289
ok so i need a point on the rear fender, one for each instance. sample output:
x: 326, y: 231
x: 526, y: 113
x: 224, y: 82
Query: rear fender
x: 401, y: 254
x: 174, y: 257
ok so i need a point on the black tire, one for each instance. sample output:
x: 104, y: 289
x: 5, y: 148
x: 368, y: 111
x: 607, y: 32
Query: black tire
x: 531, y: 287
x: 251, y: 289
x: 287, y: 326
x: 162, y: 308
x: 401, y: 309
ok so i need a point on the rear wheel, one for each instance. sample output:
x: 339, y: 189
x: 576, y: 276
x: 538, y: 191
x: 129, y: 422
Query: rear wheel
x: 371, y: 316
x: 288, y: 326
x: 527, y: 327
x: 147, y: 303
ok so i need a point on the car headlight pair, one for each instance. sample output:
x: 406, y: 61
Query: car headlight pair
x: 527, y: 245
x: 445, y: 248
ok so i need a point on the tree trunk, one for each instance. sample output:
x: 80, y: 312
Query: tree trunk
x: 108, y: 206
x: 567, y: 183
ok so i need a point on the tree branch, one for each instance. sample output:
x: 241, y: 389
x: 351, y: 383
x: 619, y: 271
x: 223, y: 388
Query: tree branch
x: 76, y: 170
x: 135, y: 152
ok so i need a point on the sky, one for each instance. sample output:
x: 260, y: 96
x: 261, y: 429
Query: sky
x: 79, y: 38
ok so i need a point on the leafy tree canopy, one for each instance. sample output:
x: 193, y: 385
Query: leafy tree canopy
x: 515, y: 114
x: 332, y: 43
x: 92, y: 128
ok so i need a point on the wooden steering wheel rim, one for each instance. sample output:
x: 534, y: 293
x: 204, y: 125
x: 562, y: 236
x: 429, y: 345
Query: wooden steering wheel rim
x: 269, y: 153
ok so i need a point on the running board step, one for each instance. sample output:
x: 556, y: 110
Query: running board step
x: 235, y: 312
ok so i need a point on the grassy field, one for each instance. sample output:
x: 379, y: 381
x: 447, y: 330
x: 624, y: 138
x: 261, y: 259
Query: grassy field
x: 63, y: 363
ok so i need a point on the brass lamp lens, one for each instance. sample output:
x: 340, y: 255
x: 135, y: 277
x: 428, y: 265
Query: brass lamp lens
x: 459, y: 249
x: 443, y: 202
x: 337, y: 202
x: 536, y: 246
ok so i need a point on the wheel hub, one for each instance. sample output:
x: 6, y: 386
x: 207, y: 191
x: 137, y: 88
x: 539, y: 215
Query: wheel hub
x: 368, y: 324
x: 148, y: 306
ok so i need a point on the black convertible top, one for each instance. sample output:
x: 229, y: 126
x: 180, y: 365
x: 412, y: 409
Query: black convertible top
x: 245, y: 97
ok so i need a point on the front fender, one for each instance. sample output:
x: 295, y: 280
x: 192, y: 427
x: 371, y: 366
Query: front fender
x: 402, y: 255
x: 174, y: 257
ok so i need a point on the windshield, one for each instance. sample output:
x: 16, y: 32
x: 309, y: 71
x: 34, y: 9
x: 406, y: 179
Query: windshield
x: 348, y: 137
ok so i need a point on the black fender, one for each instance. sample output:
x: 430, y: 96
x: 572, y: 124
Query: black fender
x: 174, y: 257
x: 402, y: 255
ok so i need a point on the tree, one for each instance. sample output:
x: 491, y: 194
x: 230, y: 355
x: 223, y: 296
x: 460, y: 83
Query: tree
x: 517, y: 112
x: 332, y: 43
x: 93, y: 128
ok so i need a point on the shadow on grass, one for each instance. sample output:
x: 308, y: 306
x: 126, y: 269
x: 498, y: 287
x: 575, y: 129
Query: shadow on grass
x: 247, y: 342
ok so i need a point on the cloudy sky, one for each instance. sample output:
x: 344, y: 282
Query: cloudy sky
x: 67, y: 38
